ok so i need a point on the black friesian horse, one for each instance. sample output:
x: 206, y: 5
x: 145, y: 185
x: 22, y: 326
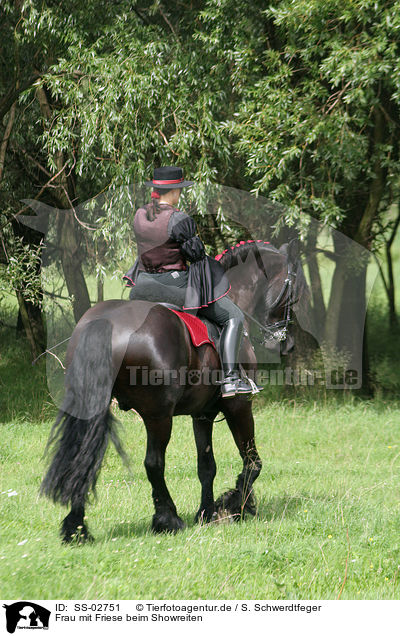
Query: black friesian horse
x: 116, y: 337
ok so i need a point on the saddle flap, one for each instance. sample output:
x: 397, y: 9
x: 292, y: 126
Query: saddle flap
x: 197, y: 328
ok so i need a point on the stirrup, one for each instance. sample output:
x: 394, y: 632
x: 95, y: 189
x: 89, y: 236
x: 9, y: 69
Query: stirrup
x: 233, y: 385
x: 255, y: 388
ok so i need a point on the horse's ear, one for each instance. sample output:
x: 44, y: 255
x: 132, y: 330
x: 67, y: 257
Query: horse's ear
x: 294, y: 250
x: 291, y: 250
x: 284, y: 248
x: 41, y: 221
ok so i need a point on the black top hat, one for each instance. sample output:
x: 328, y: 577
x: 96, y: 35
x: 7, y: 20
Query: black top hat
x: 168, y: 177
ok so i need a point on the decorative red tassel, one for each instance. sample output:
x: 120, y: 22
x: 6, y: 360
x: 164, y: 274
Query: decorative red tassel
x: 155, y: 195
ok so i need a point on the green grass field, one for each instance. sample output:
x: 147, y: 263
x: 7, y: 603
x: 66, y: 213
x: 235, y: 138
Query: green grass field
x: 328, y: 517
x: 328, y: 521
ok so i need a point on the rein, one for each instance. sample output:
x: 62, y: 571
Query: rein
x: 52, y: 354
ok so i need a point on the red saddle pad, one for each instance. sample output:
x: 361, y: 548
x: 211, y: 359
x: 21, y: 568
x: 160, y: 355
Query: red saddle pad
x: 197, y: 328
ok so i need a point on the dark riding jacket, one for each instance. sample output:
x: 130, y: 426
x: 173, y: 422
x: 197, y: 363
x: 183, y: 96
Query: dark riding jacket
x: 166, y: 244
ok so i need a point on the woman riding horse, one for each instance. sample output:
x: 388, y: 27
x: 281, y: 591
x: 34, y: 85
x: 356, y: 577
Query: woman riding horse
x: 166, y: 240
x: 115, y: 337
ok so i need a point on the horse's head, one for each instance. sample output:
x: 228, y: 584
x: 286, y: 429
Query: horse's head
x: 282, y: 293
x: 266, y: 283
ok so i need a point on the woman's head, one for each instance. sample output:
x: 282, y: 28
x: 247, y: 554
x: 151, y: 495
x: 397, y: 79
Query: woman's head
x: 167, y: 184
x: 167, y: 178
x: 162, y: 196
x: 168, y: 196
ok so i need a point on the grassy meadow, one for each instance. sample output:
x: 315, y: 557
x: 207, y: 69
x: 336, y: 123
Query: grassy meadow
x: 328, y: 512
x: 327, y: 524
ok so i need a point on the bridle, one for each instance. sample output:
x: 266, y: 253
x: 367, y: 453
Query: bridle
x: 278, y: 331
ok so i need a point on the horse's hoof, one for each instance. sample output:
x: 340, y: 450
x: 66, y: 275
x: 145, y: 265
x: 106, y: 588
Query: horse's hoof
x: 204, y: 515
x: 167, y: 523
x: 78, y: 536
x: 235, y: 505
x: 224, y: 517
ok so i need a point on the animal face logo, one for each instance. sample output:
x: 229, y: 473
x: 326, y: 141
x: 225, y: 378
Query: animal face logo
x: 26, y: 615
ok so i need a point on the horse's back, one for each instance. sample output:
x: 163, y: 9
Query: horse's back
x: 133, y: 320
x: 151, y: 354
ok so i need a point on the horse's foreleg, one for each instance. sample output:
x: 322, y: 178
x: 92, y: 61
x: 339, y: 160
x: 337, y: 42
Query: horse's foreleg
x: 206, y: 467
x: 165, y: 518
x: 241, y: 423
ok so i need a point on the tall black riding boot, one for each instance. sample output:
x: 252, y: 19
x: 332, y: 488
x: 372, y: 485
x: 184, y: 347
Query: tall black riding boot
x: 231, y: 338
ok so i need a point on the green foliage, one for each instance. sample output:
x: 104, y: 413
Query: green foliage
x: 305, y: 123
x: 135, y: 97
x: 288, y: 91
x: 22, y: 267
x: 298, y: 101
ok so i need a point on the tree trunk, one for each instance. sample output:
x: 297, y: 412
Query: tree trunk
x: 390, y: 287
x: 100, y: 289
x: 318, y: 305
x: 4, y: 143
x: 346, y: 314
x: 71, y: 263
x: 30, y: 316
x: 393, y: 322
x: 71, y: 258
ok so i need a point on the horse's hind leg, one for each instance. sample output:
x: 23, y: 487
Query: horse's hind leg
x: 206, y: 468
x: 240, y: 421
x: 73, y: 527
x: 165, y: 518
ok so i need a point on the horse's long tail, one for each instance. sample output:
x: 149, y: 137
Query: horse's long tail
x: 84, y: 423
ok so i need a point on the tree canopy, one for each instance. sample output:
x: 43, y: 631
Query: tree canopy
x: 296, y: 101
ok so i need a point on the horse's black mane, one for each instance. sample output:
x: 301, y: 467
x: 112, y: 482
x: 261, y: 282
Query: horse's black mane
x: 239, y: 252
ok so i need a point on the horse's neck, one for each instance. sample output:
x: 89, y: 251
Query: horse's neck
x: 245, y: 284
x: 249, y: 282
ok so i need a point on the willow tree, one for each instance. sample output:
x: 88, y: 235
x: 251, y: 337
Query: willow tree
x: 296, y: 101
x: 91, y: 97
x: 317, y: 123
